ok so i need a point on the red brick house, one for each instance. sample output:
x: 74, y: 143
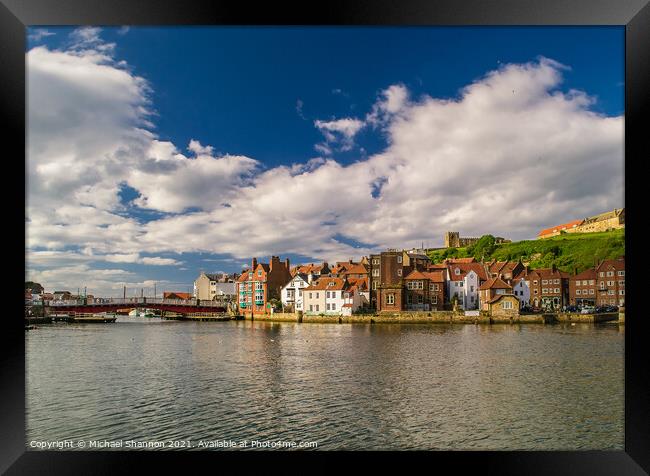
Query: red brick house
x: 583, y: 288
x: 491, y: 289
x: 610, y: 279
x: 549, y: 288
x: 261, y: 283
x: 424, y: 291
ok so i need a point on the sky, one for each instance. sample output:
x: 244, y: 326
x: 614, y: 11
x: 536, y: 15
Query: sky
x: 155, y: 153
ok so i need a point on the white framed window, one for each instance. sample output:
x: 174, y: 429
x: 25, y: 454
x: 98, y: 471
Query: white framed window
x: 333, y: 306
x: 311, y: 307
x: 399, y: 259
x: 621, y: 283
x: 374, y: 285
x: 434, y: 299
x: 535, y: 282
x: 544, y: 281
x: 621, y: 273
x: 610, y: 292
x: 507, y: 305
x: 601, y: 274
x: 399, y: 272
x: 317, y: 307
x: 610, y: 283
x: 375, y: 272
x: 317, y: 298
x: 557, y: 281
x: 610, y: 273
x: 591, y: 291
x: 557, y: 290
x: 327, y: 295
x: 390, y: 299
x: 310, y: 298
x: 375, y: 261
x: 544, y: 291
x: 591, y: 282
x: 621, y: 292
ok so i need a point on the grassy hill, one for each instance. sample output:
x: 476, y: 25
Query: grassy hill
x: 568, y: 251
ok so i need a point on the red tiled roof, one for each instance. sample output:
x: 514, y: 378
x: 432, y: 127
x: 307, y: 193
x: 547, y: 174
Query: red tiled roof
x: 460, y: 260
x: 466, y: 268
x: 586, y: 274
x: 495, y: 283
x: 324, y: 284
x: 564, y: 226
x: 356, y: 269
x: 497, y: 297
x: 168, y: 294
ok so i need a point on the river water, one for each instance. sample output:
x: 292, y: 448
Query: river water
x: 361, y: 387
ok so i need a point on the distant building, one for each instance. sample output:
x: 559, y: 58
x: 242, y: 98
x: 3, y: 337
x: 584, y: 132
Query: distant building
x: 425, y: 291
x: 454, y: 240
x: 209, y: 287
x: 549, y: 288
x: 611, y: 220
x: 492, y: 290
x: 326, y: 296
x: 176, y: 295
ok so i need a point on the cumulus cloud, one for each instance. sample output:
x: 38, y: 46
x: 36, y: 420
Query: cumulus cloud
x: 38, y: 34
x: 338, y: 131
x: 513, y: 153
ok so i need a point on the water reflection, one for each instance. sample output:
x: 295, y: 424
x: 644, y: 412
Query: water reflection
x: 358, y: 386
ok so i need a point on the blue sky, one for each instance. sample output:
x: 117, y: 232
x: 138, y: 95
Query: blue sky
x: 273, y: 97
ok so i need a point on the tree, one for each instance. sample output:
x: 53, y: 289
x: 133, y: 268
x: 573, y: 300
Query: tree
x: 35, y: 287
x: 484, y: 247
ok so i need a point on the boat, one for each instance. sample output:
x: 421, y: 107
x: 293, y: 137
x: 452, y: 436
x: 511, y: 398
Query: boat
x: 142, y: 313
x: 95, y: 317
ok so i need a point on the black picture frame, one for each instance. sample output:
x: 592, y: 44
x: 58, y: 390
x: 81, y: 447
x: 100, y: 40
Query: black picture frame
x: 15, y: 15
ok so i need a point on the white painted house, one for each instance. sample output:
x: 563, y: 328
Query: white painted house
x: 463, y: 280
x: 521, y: 289
x: 325, y: 296
x: 291, y: 293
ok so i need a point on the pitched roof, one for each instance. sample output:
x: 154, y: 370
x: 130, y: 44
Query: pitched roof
x: 564, y: 226
x: 243, y: 277
x: 617, y: 264
x: 495, y: 283
x: 356, y: 269
x: 459, y: 260
x: 464, y: 269
x: 499, y: 296
x: 328, y: 283
x: 437, y: 276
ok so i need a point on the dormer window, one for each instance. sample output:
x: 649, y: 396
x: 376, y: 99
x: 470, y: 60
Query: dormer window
x: 331, y: 283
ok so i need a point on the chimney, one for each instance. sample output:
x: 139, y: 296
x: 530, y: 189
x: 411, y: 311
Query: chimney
x: 286, y: 262
x: 325, y: 265
x: 553, y: 268
x: 254, y: 264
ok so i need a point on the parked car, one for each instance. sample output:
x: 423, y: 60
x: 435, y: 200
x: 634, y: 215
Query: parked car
x: 610, y: 309
x: 572, y: 309
x: 588, y: 310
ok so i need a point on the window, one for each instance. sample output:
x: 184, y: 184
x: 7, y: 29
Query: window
x: 327, y: 294
x: 621, y: 273
x: 621, y: 283
x: 436, y: 287
x: 507, y: 305
x: 535, y: 282
x: 420, y: 299
x: 390, y: 299
x: 399, y: 259
x: 317, y: 298
x: 591, y: 282
x: 544, y: 291
x: 601, y: 274
x: 461, y: 284
x: 584, y: 282
x: 610, y: 292
x: 310, y: 298
x: 299, y: 292
x: 334, y: 294
x: 591, y: 291
x: 557, y: 281
x: 375, y: 261
x: 331, y: 284
x: 621, y: 292
x: 399, y: 272
x: 311, y: 308
x: 328, y: 307
x: 578, y: 292
x: 409, y: 298
x: 333, y: 306
x: 259, y: 272
x: 610, y: 273
x: 434, y: 299
x: 375, y: 272
x: 457, y: 271
x: 557, y: 290
x: 535, y: 292
x: 544, y: 281
x: 610, y: 283
x: 374, y: 285
x: 471, y: 289
x: 578, y: 283
x: 317, y: 308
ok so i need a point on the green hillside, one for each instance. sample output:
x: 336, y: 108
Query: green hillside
x: 568, y: 251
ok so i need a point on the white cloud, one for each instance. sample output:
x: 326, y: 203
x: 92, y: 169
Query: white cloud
x: 338, y: 131
x: 512, y: 154
x: 39, y: 33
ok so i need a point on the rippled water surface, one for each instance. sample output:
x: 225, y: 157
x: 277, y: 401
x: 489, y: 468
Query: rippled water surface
x: 343, y: 386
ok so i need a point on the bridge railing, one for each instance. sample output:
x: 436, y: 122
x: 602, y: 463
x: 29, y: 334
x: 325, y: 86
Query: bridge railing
x: 133, y: 301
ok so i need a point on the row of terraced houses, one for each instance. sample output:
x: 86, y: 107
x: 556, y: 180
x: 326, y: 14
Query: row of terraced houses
x: 406, y: 280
